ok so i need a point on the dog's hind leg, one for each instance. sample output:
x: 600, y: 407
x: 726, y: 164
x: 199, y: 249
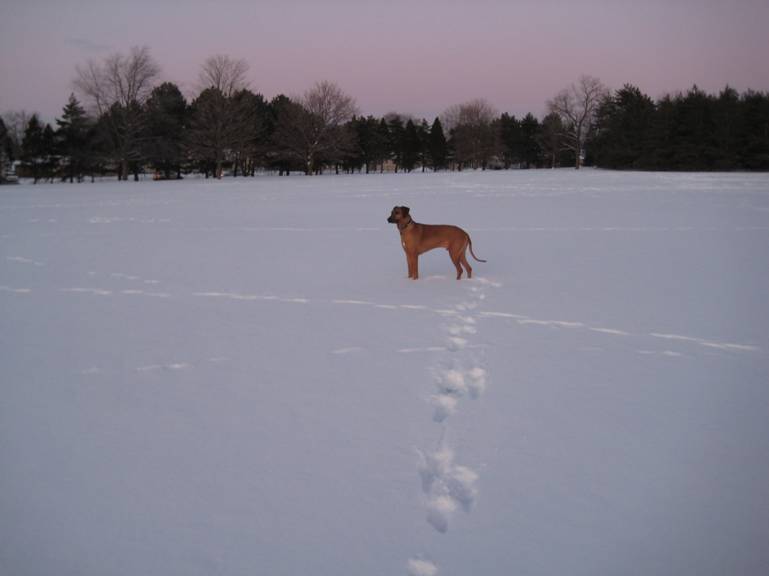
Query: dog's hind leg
x: 463, y: 259
x: 455, y: 261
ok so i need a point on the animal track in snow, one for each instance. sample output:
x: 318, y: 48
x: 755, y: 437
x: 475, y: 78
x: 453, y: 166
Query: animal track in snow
x: 446, y: 485
x: 124, y: 276
x: 421, y: 567
x: 523, y: 320
x: 23, y: 260
x: 454, y: 384
x: 145, y: 293
x: 456, y: 343
x: 156, y: 367
x: 445, y: 406
x: 348, y: 350
x: 15, y: 290
x: 239, y: 296
x: 455, y: 330
x: 95, y: 291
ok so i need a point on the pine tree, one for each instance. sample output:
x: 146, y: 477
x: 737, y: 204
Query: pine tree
x: 530, y: 151
x: 510, y: 137
x: 73, y: 129
x: 6, y: 153
x: 438, y: 151
x: 726, y: 118
x: 753, y: 142
x: 371, y: 144
x: 383, y: 136
x: 550, y: 139
x: 250, y: 113
x: 275, y: 157
x: 623, y: 129
x: 33, y: 148
x: 50, y: 152
x: 423, y: 133
x: 694, y: 131
x: 213, y: 132
x: 395, y: 132
x: 166, y: 113
x: 410, y: 147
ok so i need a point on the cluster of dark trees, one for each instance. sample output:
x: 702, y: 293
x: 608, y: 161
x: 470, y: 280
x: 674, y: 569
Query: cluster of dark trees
x: 692, y: 131
x: 243, y: 133
x: 135, y: 125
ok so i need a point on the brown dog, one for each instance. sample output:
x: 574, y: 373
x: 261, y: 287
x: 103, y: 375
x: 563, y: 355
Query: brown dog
x: 419, y: 238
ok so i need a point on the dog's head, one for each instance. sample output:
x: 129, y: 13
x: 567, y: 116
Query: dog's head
x: 398, y: 214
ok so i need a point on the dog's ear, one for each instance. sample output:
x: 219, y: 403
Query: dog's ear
x: 405, y: 210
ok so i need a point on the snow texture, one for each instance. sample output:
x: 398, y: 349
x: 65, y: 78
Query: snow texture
x: 237, y: 377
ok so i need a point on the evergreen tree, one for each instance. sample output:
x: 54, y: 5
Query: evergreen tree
x: 213, y: 131
x: 753, y: 139
x: 383, y: 136
x: 438, y: 150
x: 50, y: 152
x: 510, y: 139
x: 167, y: 116
x: 260, y: 125
x: 250, y: 111
x: 423, y: 134
x: 395, y: 134
x: 410, y: 147
x: 33, y: 148
x: 726, y: 118
x: 530, y: 150
x: 622, y: 133
x: 693, y: 129
x: 275, y: 156
x: 73, y: 131
x: 122, y: 129
x: 6, y: 151
x: 550, y: 139
x: 372, y: 145
x: 662, y: 140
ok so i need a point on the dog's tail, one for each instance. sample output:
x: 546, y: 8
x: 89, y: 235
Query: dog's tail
x: 470, y: 244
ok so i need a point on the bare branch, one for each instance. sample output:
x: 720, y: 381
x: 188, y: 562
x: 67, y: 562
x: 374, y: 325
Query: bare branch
x: 224, y: 73
x: 576, y: 106
x: 123, y: 80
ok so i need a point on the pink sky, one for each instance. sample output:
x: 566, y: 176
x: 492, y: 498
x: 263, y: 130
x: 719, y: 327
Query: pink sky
x: 416, y: 56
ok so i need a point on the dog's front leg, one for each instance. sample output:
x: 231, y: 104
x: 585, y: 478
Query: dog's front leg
x: 413, y: 265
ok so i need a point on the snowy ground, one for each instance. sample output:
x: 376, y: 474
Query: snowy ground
x: 237, y: 378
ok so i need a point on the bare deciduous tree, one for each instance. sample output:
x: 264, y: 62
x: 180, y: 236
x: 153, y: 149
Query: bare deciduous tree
x: 120, y: 79
x: 224, y: 74
x: 313, y: 131
x: 576, y: 106
x: 222, y: 126
x: 117, y: 89
x: 474, y: 132
x: 15, y: 124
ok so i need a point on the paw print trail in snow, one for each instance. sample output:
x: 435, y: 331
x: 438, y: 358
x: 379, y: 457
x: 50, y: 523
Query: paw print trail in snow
x: 458, y: 374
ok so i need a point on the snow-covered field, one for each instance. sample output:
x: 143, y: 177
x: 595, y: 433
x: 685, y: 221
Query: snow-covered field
x: 236, y: 377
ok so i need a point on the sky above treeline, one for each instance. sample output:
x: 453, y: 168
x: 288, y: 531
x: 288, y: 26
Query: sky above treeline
x: 411, y: 56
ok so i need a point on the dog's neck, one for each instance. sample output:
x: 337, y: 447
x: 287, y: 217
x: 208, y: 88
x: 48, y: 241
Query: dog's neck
x: 409, y: 223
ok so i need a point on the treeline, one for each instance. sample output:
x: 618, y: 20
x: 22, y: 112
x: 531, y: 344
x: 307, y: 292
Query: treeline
x: 692, y: 131
x: 240, y: 134
x: 136, y: 125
